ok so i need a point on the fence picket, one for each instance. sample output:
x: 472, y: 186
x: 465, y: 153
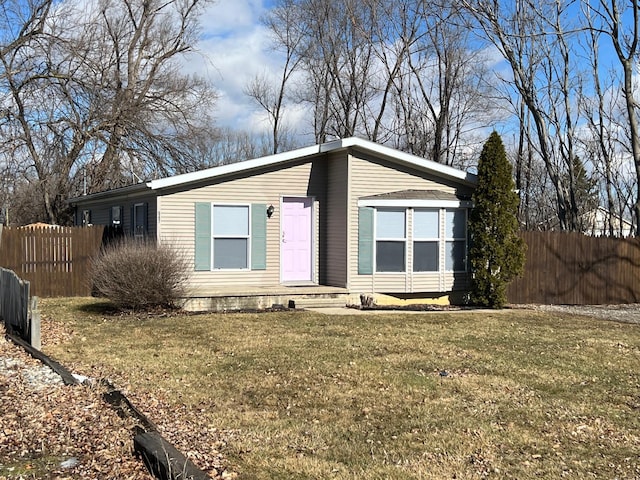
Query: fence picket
x: 566, y: 268
x: 54, y: 260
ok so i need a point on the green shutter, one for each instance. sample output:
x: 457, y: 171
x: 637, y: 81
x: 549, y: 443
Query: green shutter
x: 203, y: 237
x: 365, y: 240
x: 258, y: 236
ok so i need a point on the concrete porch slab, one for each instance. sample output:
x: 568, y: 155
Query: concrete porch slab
x: 258, y: 298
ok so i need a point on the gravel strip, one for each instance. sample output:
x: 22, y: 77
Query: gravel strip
x: 36, y: 377
x: 627, y: 313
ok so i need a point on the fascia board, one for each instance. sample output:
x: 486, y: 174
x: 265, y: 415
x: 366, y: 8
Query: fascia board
x: 231, y: 168
x: 332, y: 146
x: 412, y: 160
x: 131, y: 191
x: 405, y: 203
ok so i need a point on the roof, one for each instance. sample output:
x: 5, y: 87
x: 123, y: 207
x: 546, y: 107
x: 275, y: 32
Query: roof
x: 359, y: 144
x: 334, y: 146
x: 418, y: 198
x: 417, y: 195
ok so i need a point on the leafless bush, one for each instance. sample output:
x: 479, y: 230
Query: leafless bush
x: 140, y: 275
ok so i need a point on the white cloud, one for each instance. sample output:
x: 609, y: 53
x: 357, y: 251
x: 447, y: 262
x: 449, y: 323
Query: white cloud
x: 234, y: 47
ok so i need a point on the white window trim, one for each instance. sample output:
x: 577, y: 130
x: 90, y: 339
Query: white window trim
x: 388, y: 239
x: 410, y: 239
x: 437, y: 240
x: 214, y: 236
x: 456, y: 239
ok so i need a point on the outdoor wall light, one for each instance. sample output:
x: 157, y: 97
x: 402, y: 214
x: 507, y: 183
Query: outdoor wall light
x: 270, y: 210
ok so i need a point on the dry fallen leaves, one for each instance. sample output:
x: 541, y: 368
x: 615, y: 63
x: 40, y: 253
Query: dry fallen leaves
x: 46, y: 425
x: 53, y: 431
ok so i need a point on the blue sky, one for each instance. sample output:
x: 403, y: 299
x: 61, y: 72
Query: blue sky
x: 234, y: 47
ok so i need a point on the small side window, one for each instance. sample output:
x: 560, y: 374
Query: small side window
x: 140, y: 220
x: 86, y: 218
x: 116, y: 216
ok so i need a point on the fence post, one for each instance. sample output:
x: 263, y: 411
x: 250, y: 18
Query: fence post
x: 35, y: 324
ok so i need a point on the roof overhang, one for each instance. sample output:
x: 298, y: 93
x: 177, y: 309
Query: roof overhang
x: 404, y: 158
x: 301, y: 153
x: 335, y: 146
x: 130, y: 191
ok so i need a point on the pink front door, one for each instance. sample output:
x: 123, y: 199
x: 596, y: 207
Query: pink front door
x: 296, y: 244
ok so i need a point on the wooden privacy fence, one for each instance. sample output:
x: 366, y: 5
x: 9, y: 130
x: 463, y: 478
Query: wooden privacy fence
x: 575, y: 269
x: 54, y: 260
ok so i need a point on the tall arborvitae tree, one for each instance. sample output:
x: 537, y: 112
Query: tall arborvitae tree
x: 497, y: 253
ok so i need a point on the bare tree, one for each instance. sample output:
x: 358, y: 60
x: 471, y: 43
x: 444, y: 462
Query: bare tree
x: 399, y: 72
x: 601, y: 110
x: 533, y: 40
x: 100, y: 95
x: 283, y: 23
x: 620, y: 23
x: 450, y: 82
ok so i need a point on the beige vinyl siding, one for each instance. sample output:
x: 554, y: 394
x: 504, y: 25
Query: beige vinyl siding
x: 337, y: 221
x: 374, y: 177
x: 268, y: 187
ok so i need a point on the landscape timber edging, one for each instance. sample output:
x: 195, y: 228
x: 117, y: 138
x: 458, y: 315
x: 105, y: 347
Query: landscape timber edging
x: 160, y: 457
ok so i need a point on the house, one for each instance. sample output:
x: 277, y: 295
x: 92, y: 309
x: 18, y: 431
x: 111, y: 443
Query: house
x: 337, y: 220
x: 596, y: 223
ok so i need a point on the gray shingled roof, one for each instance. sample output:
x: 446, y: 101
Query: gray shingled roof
x: 418, y: 195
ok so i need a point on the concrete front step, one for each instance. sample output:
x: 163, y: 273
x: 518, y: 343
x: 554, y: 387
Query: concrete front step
x: 319, y: 301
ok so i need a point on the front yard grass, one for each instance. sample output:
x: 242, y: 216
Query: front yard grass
x: 510, y: 394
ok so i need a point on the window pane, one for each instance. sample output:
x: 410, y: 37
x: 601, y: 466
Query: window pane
x: 455, y: 256
x: 230, y: 220
x: 139, y: 220
x: 425, y: 256
x: 390, y: 224
x: 139, y: 214
x: 230, y: 253
x: 455, y: 224
x: 425, y: 224
x: 115, y: 216
x: 390, y: 257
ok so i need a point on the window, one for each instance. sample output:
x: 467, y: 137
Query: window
x: 230, y: 232
x: 436, y: 242
x: 116, y: 216
x: 426, y: 235
x: 390, y: 240
x: 456, y: 240
x: 140, y: 220
x: 86, y: 218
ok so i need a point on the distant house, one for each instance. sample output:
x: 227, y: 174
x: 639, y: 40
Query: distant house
x: 343, y: 219
x: 596, y: 222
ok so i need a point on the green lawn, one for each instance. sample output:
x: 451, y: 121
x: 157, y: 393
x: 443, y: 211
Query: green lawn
x: 526, y: 394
